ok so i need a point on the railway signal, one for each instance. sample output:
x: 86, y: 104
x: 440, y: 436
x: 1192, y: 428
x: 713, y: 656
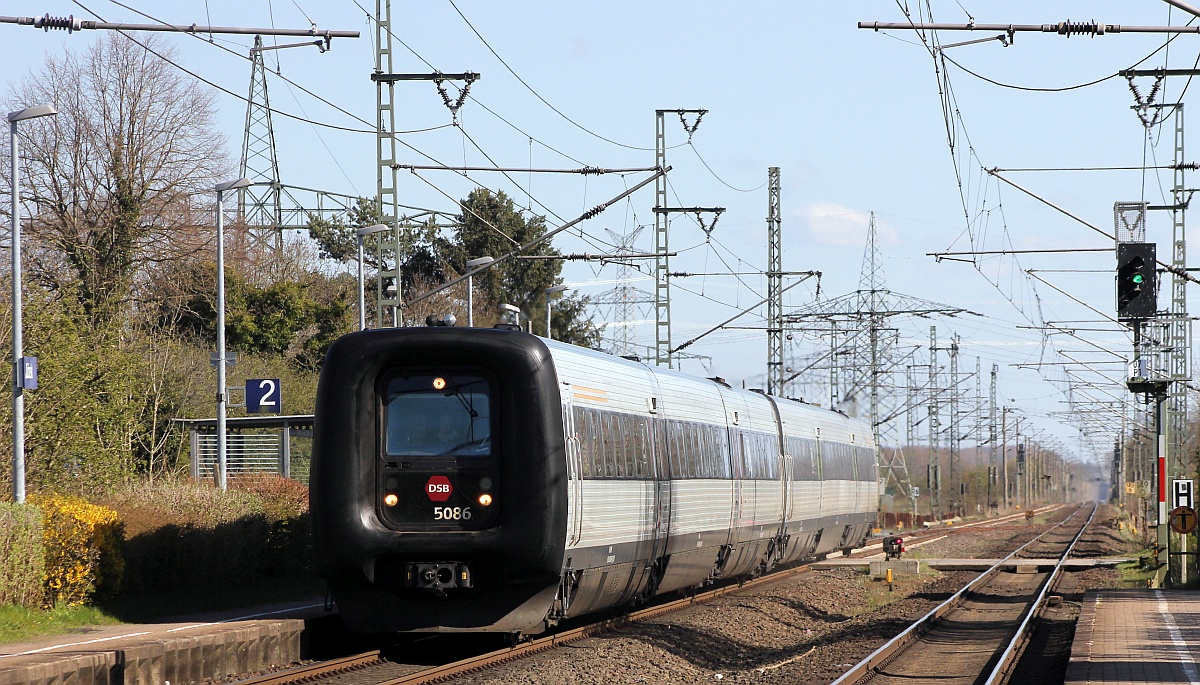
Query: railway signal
x: 1136, y: 276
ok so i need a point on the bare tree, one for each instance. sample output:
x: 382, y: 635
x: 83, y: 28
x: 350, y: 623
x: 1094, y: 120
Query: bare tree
x: 112, y: 177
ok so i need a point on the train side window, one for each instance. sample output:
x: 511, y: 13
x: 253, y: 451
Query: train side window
x: 742, y: 467
x: 597, y: 443
x: 867, y: 469
x: 672, y: 438
x: 624, y: 424
x: 616, y: 465
x: 803, y: 459
x: 737, y: 444
x: 751, y: 456
x: 756, y: 464
x: 724, y: 452
x: 765, y: 457
x: 697, y: 450
x: 769, y: 458
x: 716, y: 453
x: 829, y: 462
x: 767, y: 452
x: 585, y: 442
x: 641, y: 447
x: 693, y: 447
x: 618, y: 439
x: 720, y: 459
x: 794, y: 448
x: 686, y: 451
x: 601, y: 445
x: 662, y: 461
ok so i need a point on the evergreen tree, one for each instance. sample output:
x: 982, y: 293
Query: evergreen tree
x: 490, y: 225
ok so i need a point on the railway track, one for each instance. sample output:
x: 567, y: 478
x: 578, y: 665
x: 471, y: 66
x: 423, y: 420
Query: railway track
x: 387, y: 668
x: 976, y: 636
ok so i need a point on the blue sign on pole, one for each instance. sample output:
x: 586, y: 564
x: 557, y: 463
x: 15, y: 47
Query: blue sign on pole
x: 27, y: 373
x: 263, y: 395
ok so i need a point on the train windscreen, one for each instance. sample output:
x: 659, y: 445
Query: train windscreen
x: 431, y: 415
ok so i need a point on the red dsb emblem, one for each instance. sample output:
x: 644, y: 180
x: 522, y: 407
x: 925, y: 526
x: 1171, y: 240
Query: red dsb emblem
x: 438, y: 488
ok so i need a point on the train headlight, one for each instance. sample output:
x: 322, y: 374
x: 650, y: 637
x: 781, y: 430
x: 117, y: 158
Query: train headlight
x: 485, y: 499
x: 391, y: 499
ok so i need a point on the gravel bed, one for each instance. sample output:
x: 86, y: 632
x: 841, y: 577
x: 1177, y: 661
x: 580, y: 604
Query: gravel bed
x: 808, y: 629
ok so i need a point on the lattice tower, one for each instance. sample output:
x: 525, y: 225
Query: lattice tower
x: 258, y: 205
x: 866, y: 362
x: 626, y: 304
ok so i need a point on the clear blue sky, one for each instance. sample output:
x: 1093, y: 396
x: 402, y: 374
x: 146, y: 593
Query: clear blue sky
x: 853, y: 118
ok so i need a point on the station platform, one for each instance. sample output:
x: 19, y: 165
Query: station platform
x: 1137, y: 636
x: 211, y: 647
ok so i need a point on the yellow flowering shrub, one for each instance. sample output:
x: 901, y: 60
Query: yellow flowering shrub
x: 83, y: 550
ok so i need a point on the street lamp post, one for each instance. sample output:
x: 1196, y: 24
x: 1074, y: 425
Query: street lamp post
x: 221, y: 399
x: 362, y: 307
x: 471, y: 265
x: 18, y: 351
x: 549, y: 292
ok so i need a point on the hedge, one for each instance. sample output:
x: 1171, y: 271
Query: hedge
x: 22, y: 555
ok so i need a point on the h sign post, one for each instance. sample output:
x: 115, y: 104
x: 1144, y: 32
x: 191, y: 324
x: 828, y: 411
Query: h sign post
x: 1181, y: 493
x: 263, y: 395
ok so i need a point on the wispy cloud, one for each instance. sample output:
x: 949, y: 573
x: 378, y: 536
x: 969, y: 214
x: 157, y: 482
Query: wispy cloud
x: 833, y: 224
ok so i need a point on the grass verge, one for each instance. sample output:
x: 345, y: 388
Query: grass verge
x: 18, y: 624
x: 1133, y: 574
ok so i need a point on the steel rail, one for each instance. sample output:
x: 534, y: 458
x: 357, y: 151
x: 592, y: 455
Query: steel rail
x: 483, y: 661
x: 889, y: 650
x: 549, y: 642
x: 1008, y: 659
x: 317, y: 670
x: 312, y: 672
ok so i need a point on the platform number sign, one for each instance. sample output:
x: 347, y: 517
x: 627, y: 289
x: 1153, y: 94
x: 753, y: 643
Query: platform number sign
x: 263, y: 395
x: 1181, y: 494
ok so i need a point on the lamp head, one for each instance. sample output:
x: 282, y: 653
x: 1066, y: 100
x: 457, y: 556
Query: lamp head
x: 377, y: 228
x: 234, y: 185
x: 479, y: 261
x: 32, y: 113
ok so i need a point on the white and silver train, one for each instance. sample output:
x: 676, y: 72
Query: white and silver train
x: 490, y: 480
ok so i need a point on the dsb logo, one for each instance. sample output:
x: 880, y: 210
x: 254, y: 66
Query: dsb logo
x: 438, y: 488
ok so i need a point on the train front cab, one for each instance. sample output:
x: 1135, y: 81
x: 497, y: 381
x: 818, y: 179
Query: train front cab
x: 438, y: 480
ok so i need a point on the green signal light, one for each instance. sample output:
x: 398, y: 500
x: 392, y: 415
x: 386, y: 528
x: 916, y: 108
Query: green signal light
x: 1138, y: 279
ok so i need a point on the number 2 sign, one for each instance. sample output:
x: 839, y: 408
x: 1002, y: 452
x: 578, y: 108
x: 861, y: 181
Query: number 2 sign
x: 262, y: 395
